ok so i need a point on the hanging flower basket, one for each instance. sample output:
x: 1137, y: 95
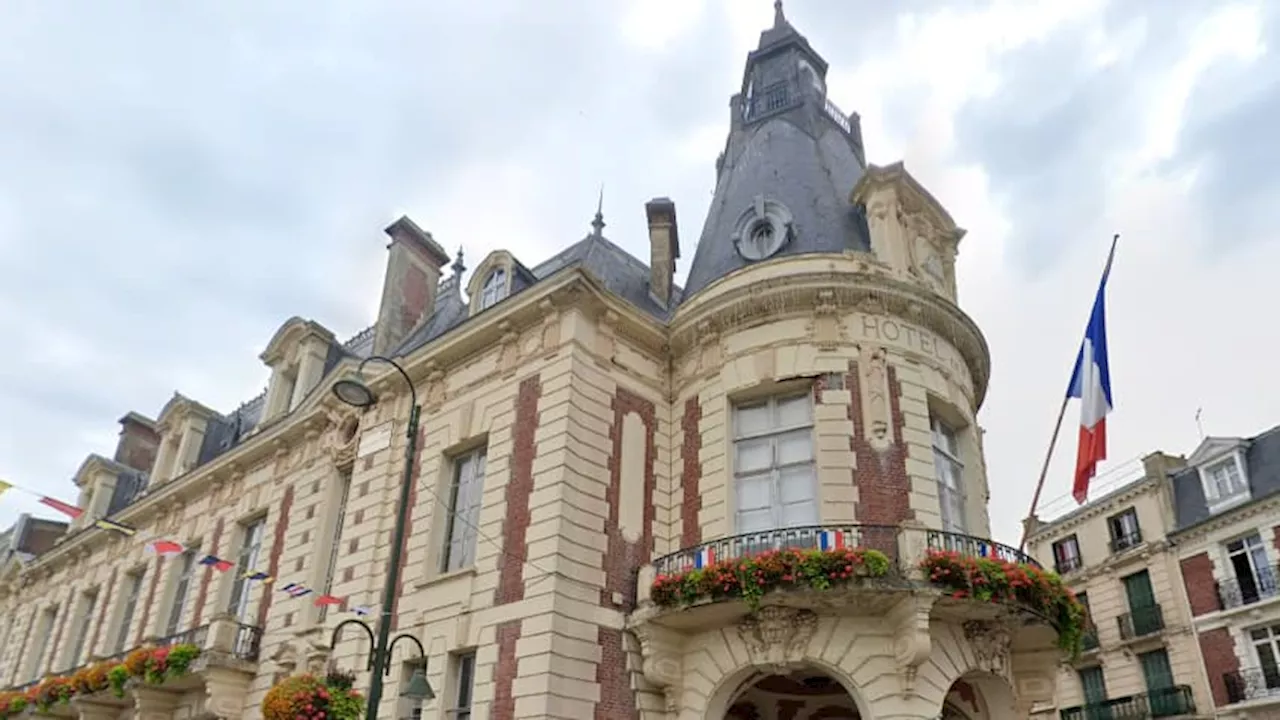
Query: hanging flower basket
x: 311, y: 697
x: 998, y: 581
x: 750, y: 577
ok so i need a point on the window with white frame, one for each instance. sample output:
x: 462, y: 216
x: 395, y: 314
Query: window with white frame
x: 42, y: 636
x: 948, y: 468
x: 462, y: 516
x: 1255, y: 577
x: 87, y: 604
x: 181, y: 590
x: 1266, y: 646
x: 464, y: 679
x: 133, y: 591
x: 344, y: 493
x: 773, y: 467
x: 1224, y: 483
x: 247, y: 561
x: 1066, y: 555
x: 494, y: 289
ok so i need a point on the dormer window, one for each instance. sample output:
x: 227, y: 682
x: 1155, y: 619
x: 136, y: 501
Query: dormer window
x: 495, y: 288
x: 1224, y: 483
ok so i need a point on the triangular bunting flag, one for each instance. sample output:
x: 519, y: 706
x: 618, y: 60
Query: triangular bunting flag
x: 216, y: 563
x: 324, y: 600
x: 69, y: 510
x: 4, y: 486
x: 169, y: 547
x: 257, y: 575
x: 113, y: 526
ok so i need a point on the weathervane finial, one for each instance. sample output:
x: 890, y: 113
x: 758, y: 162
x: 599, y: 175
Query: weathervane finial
x: 598, y: 223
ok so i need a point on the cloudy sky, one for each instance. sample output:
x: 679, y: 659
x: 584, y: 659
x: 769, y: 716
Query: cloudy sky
x: 177, y: 179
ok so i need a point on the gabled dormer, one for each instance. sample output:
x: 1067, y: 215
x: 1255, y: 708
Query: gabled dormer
x: 96, y: 479
x: 1223, y: 469
x: 296, y: 355
x: 910, y: 230
x: 182, y: 424
x: 496, y: 279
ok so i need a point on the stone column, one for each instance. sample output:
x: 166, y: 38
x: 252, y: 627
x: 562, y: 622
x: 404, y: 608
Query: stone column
x: 152, y: 703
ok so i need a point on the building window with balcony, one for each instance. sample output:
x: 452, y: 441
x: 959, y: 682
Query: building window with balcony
x: 1224, y: 483
x: 40, y: 645
x: 1254, y: 578
x: 180, y: 592
x: 1266, y: 648
x: 1124, y: 529
x: 773, y: 464
x: 1164, y: 699
x: 464, y: 678
x: 948, y: 469
x: 462, y: 516
x: 1145, y: 616
x: 247, y: 561
x: 494, y: 289
x: 84, y: 620
x: 1093, y: 685
x: 1066, y: 555
x: 133, y: 591
x: 1090, y: 639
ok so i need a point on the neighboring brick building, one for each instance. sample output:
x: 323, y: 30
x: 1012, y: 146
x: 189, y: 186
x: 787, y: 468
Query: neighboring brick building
x: 1140, y: 658
x: 1227, y: 507
x: 587, y: 425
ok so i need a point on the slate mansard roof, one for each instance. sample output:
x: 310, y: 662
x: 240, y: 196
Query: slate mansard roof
x: 1262, y: 468
x: 802, y: 153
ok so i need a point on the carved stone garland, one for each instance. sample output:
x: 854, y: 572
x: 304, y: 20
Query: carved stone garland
x: 776, y: 637
x: 990, y: 643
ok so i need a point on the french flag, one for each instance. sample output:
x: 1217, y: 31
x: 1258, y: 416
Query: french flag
x: 703, y: 558
x: 1091, y: 383
x: 831, y: 539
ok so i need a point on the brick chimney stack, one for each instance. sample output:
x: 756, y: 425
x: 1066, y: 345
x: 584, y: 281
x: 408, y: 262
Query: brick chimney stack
x: 414, y: 263
x: 664, y: 247
x: 139, y: 442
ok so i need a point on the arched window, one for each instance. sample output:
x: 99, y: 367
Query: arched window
x: 495, y: 288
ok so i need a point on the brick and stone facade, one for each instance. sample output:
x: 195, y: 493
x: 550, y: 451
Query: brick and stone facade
x: 579, y: 424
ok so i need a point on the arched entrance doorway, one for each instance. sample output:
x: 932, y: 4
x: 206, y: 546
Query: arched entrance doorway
x: 979, y: 696
x: 805, y: 694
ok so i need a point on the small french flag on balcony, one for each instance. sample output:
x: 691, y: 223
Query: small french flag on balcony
x: 831, y: 539
x: 703, y: 558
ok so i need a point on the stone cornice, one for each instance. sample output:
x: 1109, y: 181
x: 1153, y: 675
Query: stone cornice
x: 1107, y: 566
x: 1268, y: 506
x: 1062, y: 527
x: 850, y: 282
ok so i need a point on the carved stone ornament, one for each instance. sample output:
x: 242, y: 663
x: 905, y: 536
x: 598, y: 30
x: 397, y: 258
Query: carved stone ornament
x: 874, y: 384
x: 509, y: 354
x: 776, y: 637
x: 286, y: 658
x: 662, y: 661
x: 825, y: 329
x: 912, y: 642
x: 990, y: 642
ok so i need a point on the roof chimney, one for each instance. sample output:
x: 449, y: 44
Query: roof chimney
x: 664, y: 247
x: 414, y: 261
x: 139, y: 442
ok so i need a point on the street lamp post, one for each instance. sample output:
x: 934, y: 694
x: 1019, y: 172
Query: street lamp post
x: 357, y: 394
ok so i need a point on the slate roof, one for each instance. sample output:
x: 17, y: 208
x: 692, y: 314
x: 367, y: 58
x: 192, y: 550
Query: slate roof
x: 799, y: 155
x: 1262, y: 461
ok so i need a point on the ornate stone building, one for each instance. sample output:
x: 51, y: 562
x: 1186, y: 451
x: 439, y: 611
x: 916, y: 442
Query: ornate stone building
x: 587, y: 425
x: 1140, y: 655
x: 1227, y: 513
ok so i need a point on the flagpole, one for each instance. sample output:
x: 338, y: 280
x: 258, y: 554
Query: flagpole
x: 1057, y: 426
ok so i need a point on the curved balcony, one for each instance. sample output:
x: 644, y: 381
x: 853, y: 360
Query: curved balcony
x: 855, y: 569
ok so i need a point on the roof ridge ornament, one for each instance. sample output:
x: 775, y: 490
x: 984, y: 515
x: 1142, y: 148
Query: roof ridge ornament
x: 779, y: 19
x: 597, y: 225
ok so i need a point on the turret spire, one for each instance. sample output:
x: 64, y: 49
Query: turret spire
x: 778, y: 18
x: 597, y: 224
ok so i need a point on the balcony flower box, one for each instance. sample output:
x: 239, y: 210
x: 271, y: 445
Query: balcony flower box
x: 1002, y: 581
x: 13, y: 703
x: 750, y: 577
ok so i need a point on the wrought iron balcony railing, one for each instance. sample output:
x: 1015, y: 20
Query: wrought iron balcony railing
x: 1247, y: 590
x: 880, y: 537
x: 1251, y: 684
x: 1140, y: 621
x: 1067, y: 565
x: 978, y: 547
x: 248, y: 642
x: 1161, y: 703
x: 1120, y: 543
x: 775, y: 98
x: 1089, y: 640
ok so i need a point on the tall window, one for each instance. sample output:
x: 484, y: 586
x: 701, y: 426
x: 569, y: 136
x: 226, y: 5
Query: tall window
x: 180, y: 592
x: 1266, y: 646
x: 1255, y: 577
x: 1223, y: 482
x: 1094, y: 685
x: 250, y: 550
x: 773, y: 466
x: 1124, y: 529
x: 344, y: 490
x: 133, y: 590
x: 495, y: 288
x: 87, y: 603
x: 463, y: 511
x: 1066, y: 555
x: 464, y: 679
x: 42, y: 636
x: 5, y: 637
x: 947, y: 467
